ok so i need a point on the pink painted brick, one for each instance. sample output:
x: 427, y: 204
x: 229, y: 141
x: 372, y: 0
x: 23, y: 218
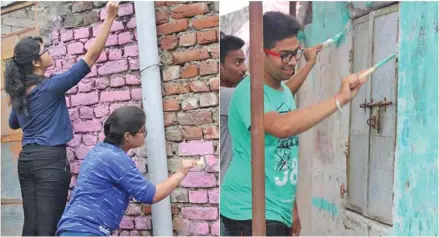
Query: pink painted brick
x: 101, y: 111
x: 212, y: 163
x: 82, y: 33
x: 214, y: 228
x: 75, y: 48
x: 133, y: 210
x: 102, y: 83
x: 86, y: 85
x: 131, y: 51
x: 134, y: 63
x: 113, y: 67
x: 68, y: 102
x: 75, y: 141
x: 83, y: 40
x: 214, y: 196
x: 112, y: 96
x: 75, y: 166
x: 115, y: 54
x: 132, y: 80
x: 116, y: 26
x: 74, y: 114
x: 135, y: 35
x: 103, y: 57
x: 142, y: 223
x: 125, y: 233
x: 58, y: 63
x: 54, y: 35
x: 117, y: 81
x: 136, y: 94
x: 82, y: 151
x: 132, y: 23
x: 140, y: 164
x: 194, y: 148
x: 87, y: 126
x: 134, y: 233
x: 68, y: 63
x: 101, y: 136
x: 125, y: 38
x: 85, y: 98
x: 72, y: 181
x: 198, y: 180
x: 124, y: 10
x: 127, y: 223
x: 200, y: 213
x: 112, y: 40
x: 199, y: 196
x: 66, y: 35
x: 89, y: 140
x: 199, y: 228
x: 70, y: 155
x: 58, y: 50
x: 93, y: 72
x: 86, y: 112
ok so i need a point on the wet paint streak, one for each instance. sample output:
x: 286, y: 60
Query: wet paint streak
x: 416, y: 208
x: 324, y: 205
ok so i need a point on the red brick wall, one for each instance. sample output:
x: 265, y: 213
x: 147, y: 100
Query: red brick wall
x: 187, y: 37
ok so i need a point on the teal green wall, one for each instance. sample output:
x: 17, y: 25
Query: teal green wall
x: 416, y: 164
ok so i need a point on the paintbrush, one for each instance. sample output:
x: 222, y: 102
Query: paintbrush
x: 338, y: 37
x: 374, y: 68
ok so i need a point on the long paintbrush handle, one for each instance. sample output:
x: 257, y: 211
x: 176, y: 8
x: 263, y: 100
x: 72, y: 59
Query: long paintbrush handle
x: 368, y: 72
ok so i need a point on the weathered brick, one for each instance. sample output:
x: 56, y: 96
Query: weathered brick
x: 75, y: 166
x: 161, y: 17
x: 81, y: 6
x: 54, y: 35
x: 174, y: 135
x: 132, y: 23
x: 75, y: 141
x: 58, y: 50
x: 66, y: 35
x: 124, y: 10
x: 212, y: 165
x: 146, y: 209
x: 133, y: 210
x: 172, y: 3
x: 207, y: 68
x: 86, y: 112
x: 205, y: 22
x: 93, y: 72
x: 72, y: 181
x: 214, y: 228
x: 173, y: 27
x: 127, y: 223
x: 81, y: 151
x: 191, y: 55
x: 171, y: 73
x: 125, y: 38
x: 199, y: 228
x: 87, y: 126
x: 85, y: 85
x: 85, y: 99
x: 103, y: 57
x: 194, y: 117
x: 68, y: 102
x: 214, y: 84
x: 179, y: 195
x: 112, y: 40
x: 134, y: 233
x: 176, y: 88
x: 113, y: 67
x: 124, y: 233
x: 214, y: 196
x: 70, y: 155
x: 189, y: 71
x: 211, y: 132
x: 171, y: 105
x: 89, y: 140
x: 101, y: 110
x: 170, y: 119
x: 214, y: 52
x: 208, y: 99
x: 142, y: 223
x: 117, y: 81
x: 207, y: 37
x: 199, y: 196
x: 102, y: 83
x: 140, y: 164
x: 131, y: 51
x: 136, y: 94
x: 112, y: 96
x: 194, y: 148
x: 82, y: 33
x: 116, y: 26
x: 169, y: 42
x: 192, y: 133
x: 188, y: 39
x: 115, y: 54
x: 178, y: 224
x: 199, y: 86
x: 68, y: 63
x: 200, y: 213
x: 132, y: 79
x: 74, y: 114
x: 189, y: 10
x: 134, y: 63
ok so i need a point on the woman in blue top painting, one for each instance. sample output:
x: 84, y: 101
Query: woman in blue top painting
x: 108, y: 178
x: 39, y: 109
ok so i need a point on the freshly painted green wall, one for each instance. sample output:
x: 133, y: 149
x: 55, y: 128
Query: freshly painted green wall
x: 416, y: 165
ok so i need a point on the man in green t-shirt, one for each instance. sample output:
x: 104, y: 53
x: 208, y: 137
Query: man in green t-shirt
x: 283, y: 122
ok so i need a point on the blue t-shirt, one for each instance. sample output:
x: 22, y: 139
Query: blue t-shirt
x: 49, y: 122
x: 107, y: 178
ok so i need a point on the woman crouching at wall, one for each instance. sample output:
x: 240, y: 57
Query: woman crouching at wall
x: 108, y: 177
x: 39, y: 108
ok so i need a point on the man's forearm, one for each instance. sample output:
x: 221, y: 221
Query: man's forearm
x: 297, y: 80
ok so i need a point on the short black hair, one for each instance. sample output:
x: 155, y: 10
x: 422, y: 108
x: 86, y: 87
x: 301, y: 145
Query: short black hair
x: 123, y: 119
x: 229, y: 43
x: 278, y: 26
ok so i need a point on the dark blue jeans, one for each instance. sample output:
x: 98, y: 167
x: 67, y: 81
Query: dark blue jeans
x: 244, y: 228
x: 74, y: 233
x: 44, y: 174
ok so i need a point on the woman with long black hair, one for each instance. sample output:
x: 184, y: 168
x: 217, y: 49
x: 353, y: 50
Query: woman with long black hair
x: 39, y: 109
x: 108, y: 178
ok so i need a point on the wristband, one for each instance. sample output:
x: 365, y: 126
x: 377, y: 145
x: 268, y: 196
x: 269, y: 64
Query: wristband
x: 337, y: 103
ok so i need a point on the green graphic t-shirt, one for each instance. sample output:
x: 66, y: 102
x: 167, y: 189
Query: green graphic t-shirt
x: 281, y: 159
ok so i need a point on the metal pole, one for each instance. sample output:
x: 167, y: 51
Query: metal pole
x: 257, y: 119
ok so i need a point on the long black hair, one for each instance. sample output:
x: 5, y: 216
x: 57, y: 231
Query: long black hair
x: 19, y: 72
x: 124, y: 119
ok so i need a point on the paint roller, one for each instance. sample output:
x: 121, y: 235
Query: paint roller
x: 376, y: 66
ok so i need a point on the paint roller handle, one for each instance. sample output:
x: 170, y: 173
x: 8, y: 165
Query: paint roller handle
x: 367, y: 72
